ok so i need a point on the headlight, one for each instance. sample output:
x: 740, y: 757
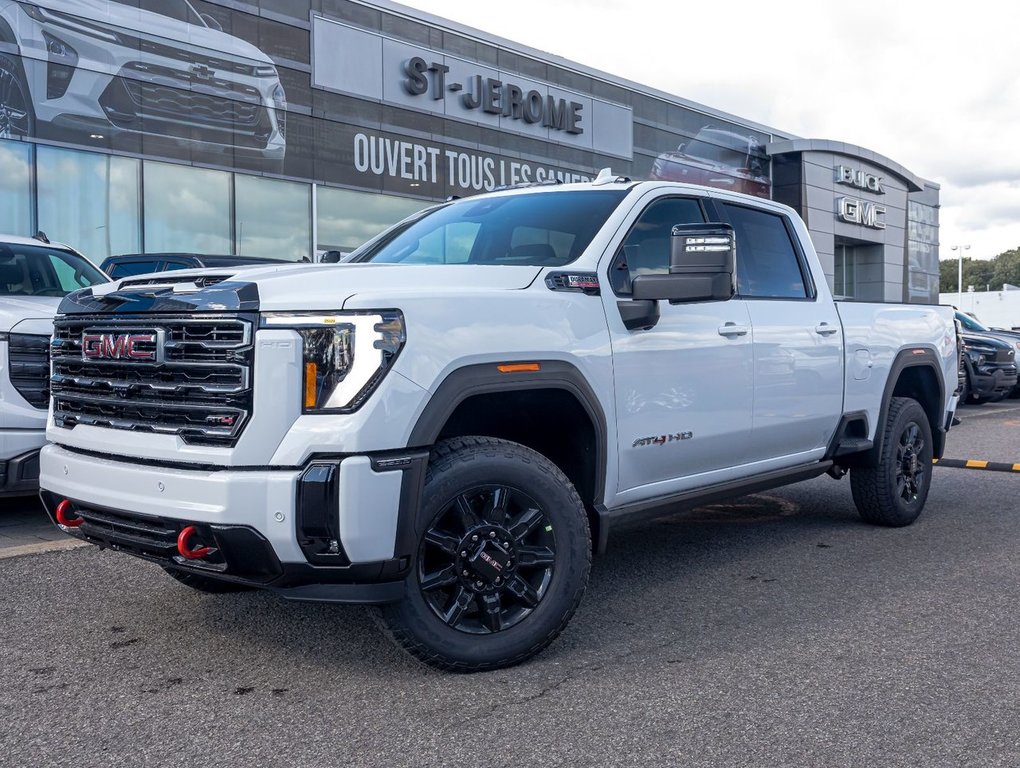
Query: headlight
x: 345, y: 355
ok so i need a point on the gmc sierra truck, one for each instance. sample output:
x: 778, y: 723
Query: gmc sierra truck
x: 451, y: 422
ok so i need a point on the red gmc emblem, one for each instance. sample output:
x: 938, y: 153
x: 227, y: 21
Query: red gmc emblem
x: 118, y: 346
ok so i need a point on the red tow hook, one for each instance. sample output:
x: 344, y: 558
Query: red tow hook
x: 63, y: 514
x: 184, y: 546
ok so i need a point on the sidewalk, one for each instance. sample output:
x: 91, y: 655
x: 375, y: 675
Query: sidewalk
x: 26, y: 529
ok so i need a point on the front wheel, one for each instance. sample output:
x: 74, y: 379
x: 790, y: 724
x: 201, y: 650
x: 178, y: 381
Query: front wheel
x: 16, y: 116
x: 893, y: 491
x: 503, y: 558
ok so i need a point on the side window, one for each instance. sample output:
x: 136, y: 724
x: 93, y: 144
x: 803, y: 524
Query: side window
x: 645, y: 251
x: 767, y: 262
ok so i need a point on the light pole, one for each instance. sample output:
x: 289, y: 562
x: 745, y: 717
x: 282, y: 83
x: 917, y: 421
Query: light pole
x: 959, y: 283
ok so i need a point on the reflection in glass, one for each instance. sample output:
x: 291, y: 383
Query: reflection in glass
x: 15, y: 188
x: 187, y: 210
x: 89, y: 201
x: 274, y: 218
x: 347, y: 218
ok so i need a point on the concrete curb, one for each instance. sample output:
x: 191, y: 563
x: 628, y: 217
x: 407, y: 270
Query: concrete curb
x: 41, y: 548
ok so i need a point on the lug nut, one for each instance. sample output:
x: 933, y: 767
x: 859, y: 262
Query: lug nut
x: 478, y: 584
x: 506, y: 543
x: 464, y: 572
x: 463, y: 553
x: 492, y: 534
x: 475, y: 537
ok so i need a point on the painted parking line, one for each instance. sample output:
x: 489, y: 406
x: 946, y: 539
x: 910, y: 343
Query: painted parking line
x: 992, y: 466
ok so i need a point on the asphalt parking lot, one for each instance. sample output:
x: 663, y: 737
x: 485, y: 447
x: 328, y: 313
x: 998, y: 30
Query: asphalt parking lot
x: 774, y: 631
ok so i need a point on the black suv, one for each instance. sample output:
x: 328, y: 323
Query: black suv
x: 989, y: 365
x: 131, y: 264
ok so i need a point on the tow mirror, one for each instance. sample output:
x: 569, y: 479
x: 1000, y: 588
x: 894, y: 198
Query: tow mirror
x: 701, y: 266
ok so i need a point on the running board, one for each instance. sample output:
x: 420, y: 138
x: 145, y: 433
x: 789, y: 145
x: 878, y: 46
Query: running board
x: 678, y: 502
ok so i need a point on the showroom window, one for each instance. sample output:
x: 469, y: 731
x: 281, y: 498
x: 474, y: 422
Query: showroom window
x: 844, y: 278
x: 346, y: 218
x: 15, y: 188
x: 186, y: 209
x: 89, y: 201
x: 273, y: 218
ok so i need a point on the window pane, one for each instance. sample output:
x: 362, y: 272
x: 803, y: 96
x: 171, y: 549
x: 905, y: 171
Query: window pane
x: 346, y: 219
x: 767, y: 264
x: 15, y: 188
x: 89, y: 201
x: 646, y: 249
x: 187, y: 210
x: 274, y: 218
x: 36, y: 270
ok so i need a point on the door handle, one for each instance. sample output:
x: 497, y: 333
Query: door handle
x: 732, y: 329
x: 824, y: 329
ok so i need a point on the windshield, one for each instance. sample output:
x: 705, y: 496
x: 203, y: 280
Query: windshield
x: 970, y: 323
x: 547, y: 229
x: 35, y: 270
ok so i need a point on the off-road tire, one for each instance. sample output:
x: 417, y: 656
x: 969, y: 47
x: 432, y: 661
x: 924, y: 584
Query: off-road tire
x: 893, y: 492
x: 204, y: 583
x: 458, y: 468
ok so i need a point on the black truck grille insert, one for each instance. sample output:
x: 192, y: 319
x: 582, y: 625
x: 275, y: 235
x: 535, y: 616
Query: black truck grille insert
x: 28, y: 361
x: 197, y: 384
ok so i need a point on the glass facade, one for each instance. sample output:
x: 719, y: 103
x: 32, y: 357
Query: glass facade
x: 89, y: 200
x: 15, y: 188
x: 276, y: 129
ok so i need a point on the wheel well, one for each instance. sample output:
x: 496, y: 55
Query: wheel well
x: 550, y: 421
x: 920, y: 383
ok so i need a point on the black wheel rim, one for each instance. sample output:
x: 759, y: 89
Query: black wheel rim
x: 486, y: 561
x: 910, y: 465
x: 14, y: 115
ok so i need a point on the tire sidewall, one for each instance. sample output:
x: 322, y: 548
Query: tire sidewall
x: 531, y: 474
x: 911, y: 413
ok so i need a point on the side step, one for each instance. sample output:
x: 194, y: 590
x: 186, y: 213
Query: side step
x: 849, y: 445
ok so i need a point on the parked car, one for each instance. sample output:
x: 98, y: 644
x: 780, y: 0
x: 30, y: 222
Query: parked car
x: 131, y: 264
x: 989, y: 366
x: 34, y: 275
x: 971, y: 325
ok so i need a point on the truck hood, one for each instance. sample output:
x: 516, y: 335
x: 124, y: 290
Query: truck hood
x: 290, y: 287
x: 28, y: 314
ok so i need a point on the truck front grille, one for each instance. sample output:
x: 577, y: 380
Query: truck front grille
x: 199, y: 386
x: 28, y: 358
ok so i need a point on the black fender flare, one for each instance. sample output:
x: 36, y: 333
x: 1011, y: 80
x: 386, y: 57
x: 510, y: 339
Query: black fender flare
x: 485, y: 378
x: 915, y: 357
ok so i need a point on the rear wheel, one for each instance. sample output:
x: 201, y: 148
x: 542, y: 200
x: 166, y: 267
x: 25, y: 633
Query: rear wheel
x: 503, y: 558
x: 894, y: 491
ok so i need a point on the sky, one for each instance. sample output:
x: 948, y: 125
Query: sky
x: 933, y: 85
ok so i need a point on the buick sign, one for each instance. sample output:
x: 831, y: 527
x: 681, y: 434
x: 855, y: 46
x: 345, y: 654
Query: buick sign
x: 119, y: 346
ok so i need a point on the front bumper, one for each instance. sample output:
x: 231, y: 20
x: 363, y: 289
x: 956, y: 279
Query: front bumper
x: 261, y: 524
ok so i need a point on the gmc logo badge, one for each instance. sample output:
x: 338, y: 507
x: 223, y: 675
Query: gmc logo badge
x: 119, y: 346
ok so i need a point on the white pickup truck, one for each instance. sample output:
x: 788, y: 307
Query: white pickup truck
x: 450, y: 423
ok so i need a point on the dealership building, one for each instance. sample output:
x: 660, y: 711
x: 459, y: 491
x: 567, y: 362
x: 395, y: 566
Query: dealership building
x: 285, y: 128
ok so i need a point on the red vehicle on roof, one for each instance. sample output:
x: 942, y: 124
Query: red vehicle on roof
x: 718, y: 158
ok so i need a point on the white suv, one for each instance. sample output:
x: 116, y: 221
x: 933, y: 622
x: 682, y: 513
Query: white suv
x: 109, y: 69
x: 34, y: 276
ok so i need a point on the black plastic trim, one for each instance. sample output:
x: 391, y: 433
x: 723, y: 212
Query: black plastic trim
x: 844, y: 423
x: 677, y: 502
x: 484, y: 378
x: 915, y: 357
x: 19, y: 476
x: 227, y: 296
